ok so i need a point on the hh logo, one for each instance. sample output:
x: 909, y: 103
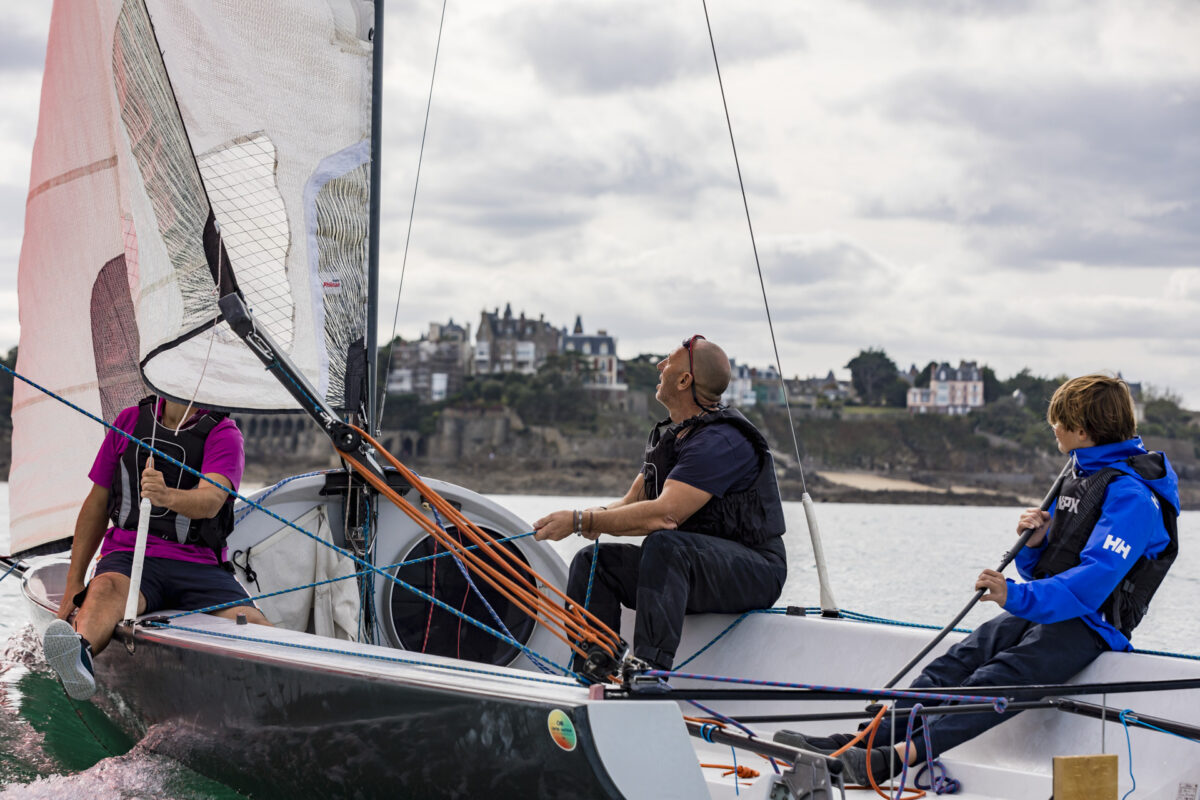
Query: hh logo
x: 1069, y: 503
x: 1116, y: 545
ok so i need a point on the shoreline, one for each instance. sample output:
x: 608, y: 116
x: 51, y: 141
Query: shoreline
x: 613, y: 477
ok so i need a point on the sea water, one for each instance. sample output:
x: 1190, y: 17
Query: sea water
x: 911, y: 563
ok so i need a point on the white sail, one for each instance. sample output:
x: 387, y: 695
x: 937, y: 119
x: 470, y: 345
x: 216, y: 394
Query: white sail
x: 153, y: 114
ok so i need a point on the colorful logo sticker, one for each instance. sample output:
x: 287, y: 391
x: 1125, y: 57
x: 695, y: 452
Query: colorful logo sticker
x: 561, y: 730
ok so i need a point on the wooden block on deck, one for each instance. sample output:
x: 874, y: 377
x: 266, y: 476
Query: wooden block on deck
x: 1085, y: 777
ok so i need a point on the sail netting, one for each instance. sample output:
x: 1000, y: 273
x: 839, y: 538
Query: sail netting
x: 186, y: 150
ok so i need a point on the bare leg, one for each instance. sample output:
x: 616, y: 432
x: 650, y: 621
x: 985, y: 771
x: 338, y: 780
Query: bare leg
x: 103, y: 608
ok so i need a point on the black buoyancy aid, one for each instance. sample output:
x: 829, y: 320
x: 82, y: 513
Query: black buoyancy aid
x: 1078, y: 510
x: 186, y: 446
x: 752, y: 516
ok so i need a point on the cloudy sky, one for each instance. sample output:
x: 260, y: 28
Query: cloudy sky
x: 1014, y: 183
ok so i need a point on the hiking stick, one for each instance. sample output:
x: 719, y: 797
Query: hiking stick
x: 1047, y: 501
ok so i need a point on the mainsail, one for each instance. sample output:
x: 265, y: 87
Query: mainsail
x: 184, y: 151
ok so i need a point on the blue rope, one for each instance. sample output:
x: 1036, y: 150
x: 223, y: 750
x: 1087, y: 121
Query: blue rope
x: 316, y: 406
x: 270, y: 491
x: 587, y: 599
x: 314, y: 584
x: 9, y: 571
x: 1129, y: 749
x: 736, y: 792
x: 728, y: 628
x: 859, y: 617
x: 478, y: 594
x: 346, y: 553
x: 1167, y: 654
x: 940, y: 781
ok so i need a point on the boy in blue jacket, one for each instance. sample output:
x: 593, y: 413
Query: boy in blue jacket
x: 1090, y: 568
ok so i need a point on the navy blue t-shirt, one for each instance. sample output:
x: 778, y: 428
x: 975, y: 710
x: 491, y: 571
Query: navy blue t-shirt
x: 716, y: 459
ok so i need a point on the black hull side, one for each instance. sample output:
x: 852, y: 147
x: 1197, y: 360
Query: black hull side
x: 285, y: 729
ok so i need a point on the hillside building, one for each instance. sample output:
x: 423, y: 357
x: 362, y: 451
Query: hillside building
x: 950, y: 391
x: 599, y: 351
x: 505, y: 343
x: 434, y: 366
x: 740, y: 391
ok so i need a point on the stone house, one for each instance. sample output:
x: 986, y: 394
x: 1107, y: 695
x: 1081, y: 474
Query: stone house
x: 505, y: 343
x: 951, y: 390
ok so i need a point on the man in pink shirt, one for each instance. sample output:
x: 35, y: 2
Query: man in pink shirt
x: 190, y: 520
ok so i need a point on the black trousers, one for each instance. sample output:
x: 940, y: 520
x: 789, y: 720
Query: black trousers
x: 671, y: 574
x: 1003, y: 651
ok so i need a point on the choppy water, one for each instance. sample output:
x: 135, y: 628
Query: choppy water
x: 914, y: 563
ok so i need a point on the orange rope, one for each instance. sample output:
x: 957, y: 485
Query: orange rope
x: 871, y: 729
x: 742, y: 770
x: 478, y: 536
x: 568, y: 624
x: 524, y: 598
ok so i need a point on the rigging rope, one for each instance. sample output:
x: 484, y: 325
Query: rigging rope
x: 828, y: 604
x: 411, y: 212
x: 520, y: 584
x: 754, y: 245
x: 345, y: 553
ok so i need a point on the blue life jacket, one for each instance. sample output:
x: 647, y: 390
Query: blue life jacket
x: 186, y: 446
x: 752, y: 516
x: 1079, y: 506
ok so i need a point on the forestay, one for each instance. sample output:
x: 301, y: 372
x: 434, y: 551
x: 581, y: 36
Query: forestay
x: 184, y: 150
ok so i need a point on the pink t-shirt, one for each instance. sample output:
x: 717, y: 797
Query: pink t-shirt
x: 223, y: 454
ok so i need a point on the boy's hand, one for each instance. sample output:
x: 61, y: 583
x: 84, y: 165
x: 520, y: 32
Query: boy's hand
x: 1036, y: 519
x: 994, y: 586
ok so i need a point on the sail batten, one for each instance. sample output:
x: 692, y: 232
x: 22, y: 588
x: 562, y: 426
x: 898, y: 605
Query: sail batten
x: 185, y: 151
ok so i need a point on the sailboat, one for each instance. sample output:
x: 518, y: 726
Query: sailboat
x: 202, y: 224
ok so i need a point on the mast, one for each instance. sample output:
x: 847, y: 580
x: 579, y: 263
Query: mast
x: 373, y: 230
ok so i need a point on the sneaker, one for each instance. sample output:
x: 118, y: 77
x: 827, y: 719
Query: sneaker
x: 855, y: 762
x: 68, y: 655
x: 825, y: 745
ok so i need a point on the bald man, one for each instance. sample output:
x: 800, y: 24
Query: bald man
x: 707, y: 502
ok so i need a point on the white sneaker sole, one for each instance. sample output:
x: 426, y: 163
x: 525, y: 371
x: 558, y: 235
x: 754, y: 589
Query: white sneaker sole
x: 61, y: 647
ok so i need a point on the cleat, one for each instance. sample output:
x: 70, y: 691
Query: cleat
x: 68, y: 655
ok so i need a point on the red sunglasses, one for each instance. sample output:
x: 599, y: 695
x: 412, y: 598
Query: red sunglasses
x: 688, y: 343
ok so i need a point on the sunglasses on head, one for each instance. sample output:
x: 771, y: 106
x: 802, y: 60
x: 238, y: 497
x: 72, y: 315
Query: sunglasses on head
x: 688, y: 344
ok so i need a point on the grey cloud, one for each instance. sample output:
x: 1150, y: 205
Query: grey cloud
x: 952, y: 8
x: 12, y: 210
x: 1069, y: 164
x: 584, y: 49
x: 804, y: 262
x: 20, y: 52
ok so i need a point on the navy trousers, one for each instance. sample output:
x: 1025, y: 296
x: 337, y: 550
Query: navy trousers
x: 671, y: 574
x: 1004, y: 651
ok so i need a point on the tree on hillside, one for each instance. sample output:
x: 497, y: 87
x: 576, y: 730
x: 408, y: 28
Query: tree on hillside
x: 1036, y: 389
x: 871, y: 371
x: 922, y: 380
x: 992, y: 388
x: 1164, y: 415
x: 641, y: 373
x: 895, y: 394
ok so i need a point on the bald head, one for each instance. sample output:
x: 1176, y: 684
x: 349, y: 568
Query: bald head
x: 710, y: 370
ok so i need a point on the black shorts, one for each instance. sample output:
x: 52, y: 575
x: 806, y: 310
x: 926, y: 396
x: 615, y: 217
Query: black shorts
x: 182, y: 585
